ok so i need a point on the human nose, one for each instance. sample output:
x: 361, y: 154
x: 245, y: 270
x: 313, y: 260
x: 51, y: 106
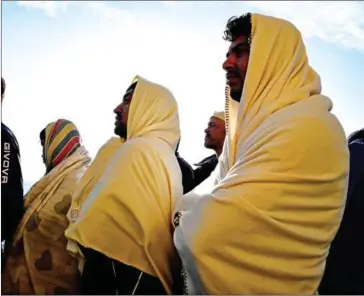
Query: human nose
x: 118, y: 109
x: 228, y: 63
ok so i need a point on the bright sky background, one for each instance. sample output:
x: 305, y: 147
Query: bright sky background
x: 74, y: 60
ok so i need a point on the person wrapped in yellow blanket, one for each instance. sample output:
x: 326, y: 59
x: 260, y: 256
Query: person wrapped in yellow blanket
x: 38, y: 261
x: 124, y: 227
x: 267, y: 225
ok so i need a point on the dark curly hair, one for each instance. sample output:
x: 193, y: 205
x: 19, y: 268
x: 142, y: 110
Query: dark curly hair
x: 237, y: 26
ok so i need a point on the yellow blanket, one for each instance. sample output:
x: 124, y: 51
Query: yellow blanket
x: 127, y: 215
x: 93, y: 174
x: 38, y: 262
x: 84, y: 187
x: 267, y: 225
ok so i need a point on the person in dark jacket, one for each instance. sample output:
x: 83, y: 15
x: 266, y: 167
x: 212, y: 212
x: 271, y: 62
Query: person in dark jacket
x: 344, y: 272
x: 214, y: 139
x: 11, y: 181
x: 186, y: 170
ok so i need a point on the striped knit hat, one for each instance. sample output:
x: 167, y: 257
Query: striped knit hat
x: 61, y: 140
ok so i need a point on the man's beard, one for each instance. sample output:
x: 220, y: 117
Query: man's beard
x: 121, y: 130
x: 236, y: 94
x: 209, y: 144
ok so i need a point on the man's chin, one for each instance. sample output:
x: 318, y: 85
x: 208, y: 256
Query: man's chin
x: 208, y: 144
x: 120, y: 131
x: 116, y: 130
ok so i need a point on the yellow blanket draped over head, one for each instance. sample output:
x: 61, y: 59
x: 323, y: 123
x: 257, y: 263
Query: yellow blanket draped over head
x: 267, y: 225
x: 127, y: 215
x: 38, y: 262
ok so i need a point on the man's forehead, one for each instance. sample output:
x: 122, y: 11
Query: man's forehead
x: 216, y: 120
x: 130, y: 90
x: 241, y: 40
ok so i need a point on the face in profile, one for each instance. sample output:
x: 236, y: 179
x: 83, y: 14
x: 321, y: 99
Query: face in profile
x: 215, y: 134
x: 122, y: 112
x: 236, y: 65
x: 3, y: 87
x: 42, y: 143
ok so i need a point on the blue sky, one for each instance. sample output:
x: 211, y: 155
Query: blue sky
x: 75, y: 59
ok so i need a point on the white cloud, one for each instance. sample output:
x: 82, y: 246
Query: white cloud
x: 340, y: 22
x: 111, y: 13
x: 50, y: 8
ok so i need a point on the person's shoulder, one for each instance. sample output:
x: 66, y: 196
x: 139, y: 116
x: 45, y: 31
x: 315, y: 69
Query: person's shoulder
x: 5, y: 131
x: 357, y: 135
x: 183, y: 163
x: 210, y: 159
x: 8, y: 136
x: 357, y: 148
x: 306, y: 137
x: 112, y: 142
x: 308, y: 126
x: 139, y: 145
x: 357, y: 143
x: 134, y: 149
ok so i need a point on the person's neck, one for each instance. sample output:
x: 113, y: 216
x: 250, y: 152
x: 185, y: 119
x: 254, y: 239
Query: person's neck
x: 218, y: 151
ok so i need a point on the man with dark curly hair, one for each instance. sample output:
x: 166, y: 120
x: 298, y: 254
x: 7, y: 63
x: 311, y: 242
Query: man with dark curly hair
x: 267, y: 225
x: 238, y: 32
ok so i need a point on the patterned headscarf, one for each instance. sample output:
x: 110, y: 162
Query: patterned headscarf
x: 61, y: 139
